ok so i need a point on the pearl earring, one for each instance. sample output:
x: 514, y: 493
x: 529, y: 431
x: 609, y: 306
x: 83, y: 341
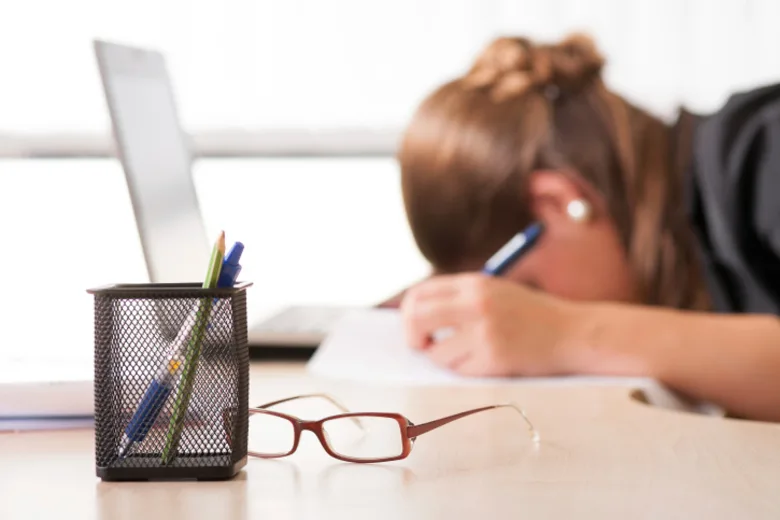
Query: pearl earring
x: 578, y: 210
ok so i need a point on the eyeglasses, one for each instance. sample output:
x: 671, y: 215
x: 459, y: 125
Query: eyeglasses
x: 350, y: 437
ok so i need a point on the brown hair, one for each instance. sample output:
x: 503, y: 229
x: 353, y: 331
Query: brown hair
x: 467, y: 155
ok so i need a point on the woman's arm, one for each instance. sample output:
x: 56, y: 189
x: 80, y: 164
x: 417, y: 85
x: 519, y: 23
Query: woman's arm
x: 499, y: 328
x: 731, y: 360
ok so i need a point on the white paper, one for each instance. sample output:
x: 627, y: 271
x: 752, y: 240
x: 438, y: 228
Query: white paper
x: 46, y: 388
x: 66, y: 423
x: 368, y: 346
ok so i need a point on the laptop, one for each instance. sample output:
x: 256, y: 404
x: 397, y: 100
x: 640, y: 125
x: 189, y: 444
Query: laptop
x: 156, y: 160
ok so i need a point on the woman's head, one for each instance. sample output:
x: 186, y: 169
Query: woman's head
x: 529, y: 130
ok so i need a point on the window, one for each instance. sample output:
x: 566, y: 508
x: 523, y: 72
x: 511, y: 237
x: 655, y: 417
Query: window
x: 68, y: 225
x: 311, y: 66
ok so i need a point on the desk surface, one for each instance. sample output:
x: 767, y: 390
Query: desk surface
x: 601, y: 455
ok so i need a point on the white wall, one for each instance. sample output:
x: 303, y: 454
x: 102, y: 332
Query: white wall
x: 321, y: 64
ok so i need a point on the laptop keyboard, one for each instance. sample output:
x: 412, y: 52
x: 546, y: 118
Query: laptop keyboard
x: 302, y: 319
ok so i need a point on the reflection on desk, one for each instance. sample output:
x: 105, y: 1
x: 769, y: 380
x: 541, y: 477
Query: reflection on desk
x: 601, y: 455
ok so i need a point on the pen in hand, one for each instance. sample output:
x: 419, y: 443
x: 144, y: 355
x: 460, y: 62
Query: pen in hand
x: 502, y: 260
x: 513, y: 250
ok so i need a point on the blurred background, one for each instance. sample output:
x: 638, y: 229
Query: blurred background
x: 294, y: 109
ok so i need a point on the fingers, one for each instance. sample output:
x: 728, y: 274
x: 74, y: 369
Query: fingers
x: 478, y: 315
x: 468, y: 354
x: 439, y: 303
x: 423, y: 319
x: 451, y: 352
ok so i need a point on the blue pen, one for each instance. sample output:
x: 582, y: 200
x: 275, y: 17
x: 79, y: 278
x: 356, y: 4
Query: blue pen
x: 229, y: 273
x: 513, y: 250
x: 162, y: 384
x: 231, y: 266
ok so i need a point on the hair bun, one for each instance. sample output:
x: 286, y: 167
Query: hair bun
x: 510, y: 66
x: 576, y: 61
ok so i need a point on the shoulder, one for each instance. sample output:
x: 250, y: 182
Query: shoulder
x: 733, y: 171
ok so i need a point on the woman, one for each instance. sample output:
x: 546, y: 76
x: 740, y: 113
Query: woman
x: 648, y: 230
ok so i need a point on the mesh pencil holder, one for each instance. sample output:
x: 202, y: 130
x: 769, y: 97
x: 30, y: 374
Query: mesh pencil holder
x: 171, y: 381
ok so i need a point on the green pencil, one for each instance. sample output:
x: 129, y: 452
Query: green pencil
x: 193, y: 353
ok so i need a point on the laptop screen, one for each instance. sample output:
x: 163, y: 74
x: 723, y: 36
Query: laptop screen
x: 156, y: 160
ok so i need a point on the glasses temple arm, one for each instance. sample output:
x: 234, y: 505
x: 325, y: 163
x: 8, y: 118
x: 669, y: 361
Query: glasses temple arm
x: 413, y: 431
x: 306, y: 396
x: 328, y: 398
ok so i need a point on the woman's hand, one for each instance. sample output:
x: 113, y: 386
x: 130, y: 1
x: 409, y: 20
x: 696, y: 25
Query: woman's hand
x: 494, y: 327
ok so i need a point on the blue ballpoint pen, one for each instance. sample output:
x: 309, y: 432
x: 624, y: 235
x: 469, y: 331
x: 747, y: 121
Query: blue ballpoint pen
x: 162, y: 384
x: 231, y: 266
x: 513, y: 250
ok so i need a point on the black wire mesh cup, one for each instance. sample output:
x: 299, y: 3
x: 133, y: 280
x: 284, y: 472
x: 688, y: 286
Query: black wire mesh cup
x: 144, y: 337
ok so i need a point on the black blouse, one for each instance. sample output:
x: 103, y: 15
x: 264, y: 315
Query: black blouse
x: 734, y: 201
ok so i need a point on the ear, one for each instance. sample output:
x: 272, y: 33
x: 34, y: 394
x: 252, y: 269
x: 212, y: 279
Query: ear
x: 552, y: 191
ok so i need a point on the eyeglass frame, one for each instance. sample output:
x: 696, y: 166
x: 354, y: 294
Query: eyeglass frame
x: 408, y: 430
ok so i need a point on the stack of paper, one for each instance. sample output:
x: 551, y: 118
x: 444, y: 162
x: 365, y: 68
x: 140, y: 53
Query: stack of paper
x: 46, y: 394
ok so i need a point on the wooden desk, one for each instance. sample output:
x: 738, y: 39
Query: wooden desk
x: 601, y: 455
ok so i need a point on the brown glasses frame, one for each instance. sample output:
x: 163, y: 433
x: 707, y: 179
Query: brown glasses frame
x: 408, y: 430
